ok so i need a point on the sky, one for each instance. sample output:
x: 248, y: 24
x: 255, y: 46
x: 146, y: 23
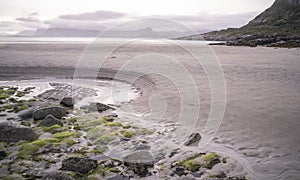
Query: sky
x: 201, y: 15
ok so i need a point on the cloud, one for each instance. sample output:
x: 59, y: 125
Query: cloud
x: 207, y: 22
x: 32, y: 17
x: 94, y: 16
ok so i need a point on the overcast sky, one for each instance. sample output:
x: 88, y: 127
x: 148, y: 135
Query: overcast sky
x: 201, y: 15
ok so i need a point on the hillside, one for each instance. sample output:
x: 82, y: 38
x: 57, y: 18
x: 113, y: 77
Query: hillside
x: 279, y: 23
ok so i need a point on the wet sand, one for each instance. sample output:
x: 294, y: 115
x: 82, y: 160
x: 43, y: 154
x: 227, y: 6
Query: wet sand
x: 260, y: 128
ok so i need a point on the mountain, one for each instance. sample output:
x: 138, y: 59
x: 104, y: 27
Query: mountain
x: 279, y: 23
x: 61, y: 32
x: 139, y: 33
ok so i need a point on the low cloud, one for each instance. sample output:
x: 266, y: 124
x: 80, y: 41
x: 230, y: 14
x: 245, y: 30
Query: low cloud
x: 32, y: 17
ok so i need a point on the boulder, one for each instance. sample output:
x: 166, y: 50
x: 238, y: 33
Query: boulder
x: 193, y: 138
x: 26, y: 114
x: 139, y: 162
x: 98, y: 107
x: 41, y: 113
x: 67, y: 101
x: 57, y: 176
x: 15, y: 134
x: 50, y: 121
x: 81, y: 165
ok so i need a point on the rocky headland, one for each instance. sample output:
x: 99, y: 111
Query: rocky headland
x: 277, y: 26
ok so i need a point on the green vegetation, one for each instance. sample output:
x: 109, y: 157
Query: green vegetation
x: 67, y: 134
x: 103, y: 170
x: 22, y: 107
x: 51, y: 128
x: 100, y: 137
x: 114, y: 124
x: 128, y: 134
x: 20, y: 94
x: 211, y: 160
x: 205, y: 161
x: 30, y: 148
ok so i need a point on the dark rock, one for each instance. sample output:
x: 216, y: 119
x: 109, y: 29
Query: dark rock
x: 98, y: 107
x: 119, y: 177
x: 67, y: 101
x: 139, y: 162
x: 26, y: 114
x: 50, y: 121
x: 15, y: 134
x: 57, y: 112
x: 57, y: 176
x: 179, y: 171
x: 193, y: 138
x: 81, y: 165
x: 2, y: 155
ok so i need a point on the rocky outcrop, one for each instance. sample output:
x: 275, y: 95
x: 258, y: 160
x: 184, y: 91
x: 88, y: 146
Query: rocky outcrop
x: 81, y: 165
x: 67, y: 101
x: 192, y: 139
x: 139, y: 162
x: 50, y: 121
x: 15, y: 134
x: 41, y: 113
x: 277, y: 26
x: 98, y: 107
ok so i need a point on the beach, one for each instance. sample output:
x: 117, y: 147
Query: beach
x: 260, y: 127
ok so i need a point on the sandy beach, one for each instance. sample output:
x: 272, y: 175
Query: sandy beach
x: 260, y: 128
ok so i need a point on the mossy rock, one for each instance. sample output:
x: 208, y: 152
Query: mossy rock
x: 116, y: 124
x: 100, y: 135
x: 128, y: 134
x: 30, y: 148
x: 67, y: 134
x: 200, y: 161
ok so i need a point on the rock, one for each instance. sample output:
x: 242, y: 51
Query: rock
x: 3, y: 171
x: 119, y: 177
x: 57, y: 112
x: 139, y: 162
x: 98, y: 107
x: 26, y: 114
x: 57, y: 176
x: 15, y: 134
x: 81, y: 165
x: 193, y: 138
x: 67, y: 101
x: 33, y: 172
x: 14, y: 177
x: 179, y: 171
x: 50, y: 121
x: 197, y: 174
x: 2, y: 155
x: 221, y: 175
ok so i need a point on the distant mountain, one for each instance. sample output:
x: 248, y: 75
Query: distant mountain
x: 61, y: 32
x: 279, y: 23
x: 139, y: 33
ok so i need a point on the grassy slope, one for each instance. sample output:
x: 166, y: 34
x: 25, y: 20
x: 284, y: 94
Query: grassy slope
x: 281, y: 18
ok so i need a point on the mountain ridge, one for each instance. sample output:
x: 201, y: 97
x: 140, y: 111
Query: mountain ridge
x: 278, y: 23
